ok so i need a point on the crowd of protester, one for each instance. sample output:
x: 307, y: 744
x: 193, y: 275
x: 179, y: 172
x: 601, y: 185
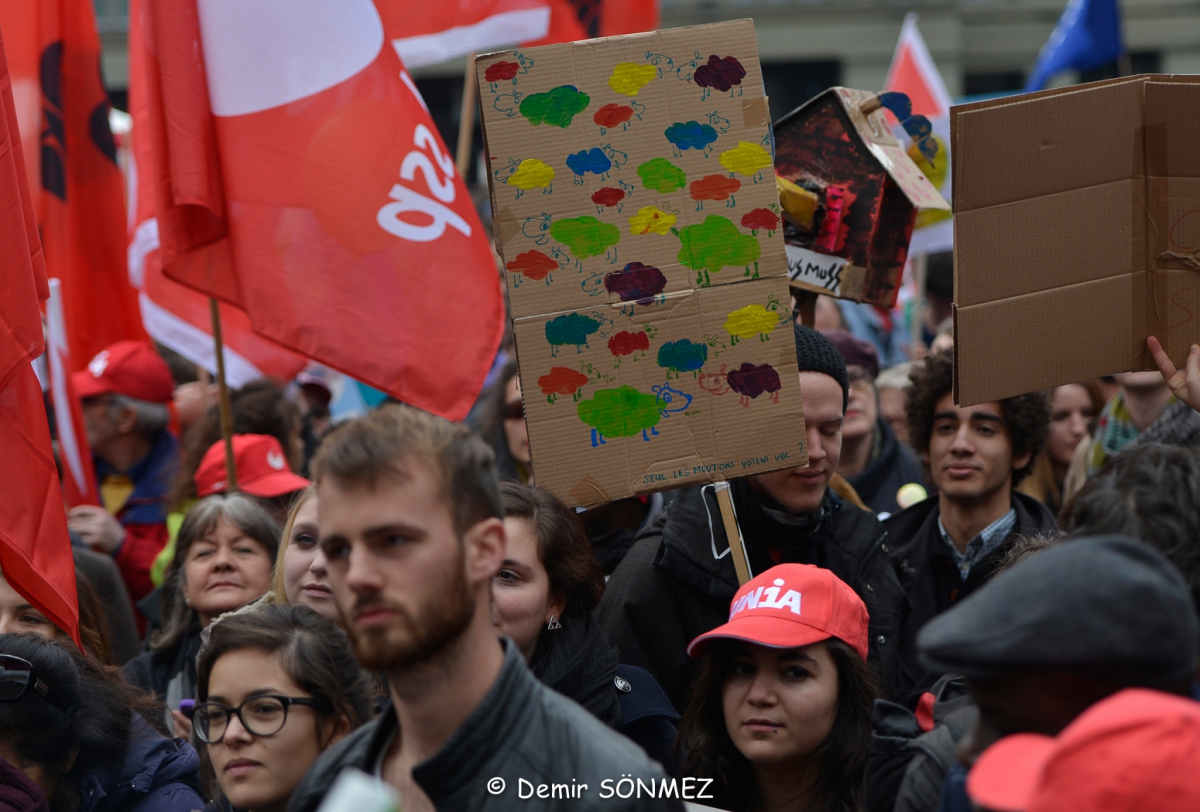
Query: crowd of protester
x: 988, y: 607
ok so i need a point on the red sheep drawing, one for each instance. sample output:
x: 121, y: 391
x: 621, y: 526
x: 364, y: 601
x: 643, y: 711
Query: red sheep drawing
x: 760, y: 219
x: 714, y: 187
x: 533, y: 265
x: 562, y: 381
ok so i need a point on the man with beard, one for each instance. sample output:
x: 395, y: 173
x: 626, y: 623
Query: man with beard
x: 411, y: 523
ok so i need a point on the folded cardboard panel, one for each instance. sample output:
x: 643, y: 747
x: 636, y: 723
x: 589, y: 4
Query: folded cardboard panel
x: 637, y: 217
x: 1077, y: 233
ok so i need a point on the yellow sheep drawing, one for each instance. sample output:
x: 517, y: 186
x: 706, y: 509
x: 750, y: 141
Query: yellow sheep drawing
x: 746, y: 159
x: 532, y: 174
x: 751, y: 320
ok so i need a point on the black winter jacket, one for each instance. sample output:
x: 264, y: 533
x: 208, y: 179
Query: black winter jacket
x: 888, y: 471
x: 520, y: 731
x: 170, y: 675
x: 678, y: 579
x: 931, y: 578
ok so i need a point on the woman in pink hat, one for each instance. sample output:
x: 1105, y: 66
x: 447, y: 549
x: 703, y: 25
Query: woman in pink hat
x: 780, y: 718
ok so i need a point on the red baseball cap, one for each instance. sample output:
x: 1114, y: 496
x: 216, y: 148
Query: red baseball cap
x: 262, y: 468
x: 789, y: 606
x: 130, y: 368
x: 1137, y: 749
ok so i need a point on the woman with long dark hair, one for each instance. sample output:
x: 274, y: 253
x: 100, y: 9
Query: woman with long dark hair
x: 276, y: 686
x: 82, y: 734
x: 543, y: 598
x: 780, y: 717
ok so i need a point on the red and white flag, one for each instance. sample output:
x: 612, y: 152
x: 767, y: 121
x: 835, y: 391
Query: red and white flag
x: 174, y: 315
x: 35, y: 547
x: 912, y: 72
x: 300, y: 178
x: 79, y: 477
x: 71, y: 158
x: 427, y: 33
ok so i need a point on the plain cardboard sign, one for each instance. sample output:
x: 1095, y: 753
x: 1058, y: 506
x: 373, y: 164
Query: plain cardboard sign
x: 637, y: 218
x: 1076, y: 233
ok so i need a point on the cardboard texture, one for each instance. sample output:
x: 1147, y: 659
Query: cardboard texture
x: 1076, y: 233
x: 636, y: 214
x: 871, y: 191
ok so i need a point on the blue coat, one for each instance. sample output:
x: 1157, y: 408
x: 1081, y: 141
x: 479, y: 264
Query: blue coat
x: 157, y: 775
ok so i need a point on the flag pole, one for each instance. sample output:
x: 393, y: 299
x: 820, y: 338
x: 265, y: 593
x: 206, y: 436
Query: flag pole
x: 223, y: 404
x: 466, y: 119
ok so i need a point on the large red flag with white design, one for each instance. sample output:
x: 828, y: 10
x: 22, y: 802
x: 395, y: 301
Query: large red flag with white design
x: 35, y: 548
x: 426, y: 33
x: 300, y: 178
x: 174, y: 315
x: 912, y: 72
x: 76, y: 183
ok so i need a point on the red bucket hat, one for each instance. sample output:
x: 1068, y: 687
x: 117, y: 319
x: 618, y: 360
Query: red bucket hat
x: 1135, y: 750
x: 130, y: 368
x: 262, y: 468
x: 789, y: 606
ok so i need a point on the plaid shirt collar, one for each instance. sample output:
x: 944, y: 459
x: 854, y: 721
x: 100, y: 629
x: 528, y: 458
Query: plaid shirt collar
x: 982, y: 545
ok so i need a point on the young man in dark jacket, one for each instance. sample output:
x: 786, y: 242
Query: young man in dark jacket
x: 873, y: 461
x: 947, y: 546
x: 411, y: 524
x: 677, y: 580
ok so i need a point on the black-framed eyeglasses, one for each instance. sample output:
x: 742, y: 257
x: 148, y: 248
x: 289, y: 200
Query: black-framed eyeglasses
x: 16, y: 677
x: 859, y: 375
x: 263, y: 715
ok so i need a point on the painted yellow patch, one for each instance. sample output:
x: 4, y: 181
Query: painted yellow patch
x: 630, y: 77
x: 651, y: 219
x: 936, y: 172
x: 531, y: 174
x: 750, y: 321
x: 746, y: 158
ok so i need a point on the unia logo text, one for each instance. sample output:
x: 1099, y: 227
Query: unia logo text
x: 427, y: 158
x: 769, y: 598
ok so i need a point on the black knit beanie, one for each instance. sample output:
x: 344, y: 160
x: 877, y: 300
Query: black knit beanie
x: 816, y: 353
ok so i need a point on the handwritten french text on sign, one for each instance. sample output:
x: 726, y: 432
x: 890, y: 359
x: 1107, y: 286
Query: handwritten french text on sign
x: 819, y: 270
x: 637, y: 217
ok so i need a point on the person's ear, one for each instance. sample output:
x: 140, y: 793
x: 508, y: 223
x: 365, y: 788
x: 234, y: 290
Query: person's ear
x: 484, y: 545
x: 1020, y: 462
x: 558, y: 605
x: 334, y: 730
x: 70, y: 762
x: 126, y: 420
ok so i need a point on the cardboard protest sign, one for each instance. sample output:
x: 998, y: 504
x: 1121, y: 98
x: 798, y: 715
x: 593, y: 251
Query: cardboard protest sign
x: 636, y: 213
x: 1077, y: 232
x: 840, y: 146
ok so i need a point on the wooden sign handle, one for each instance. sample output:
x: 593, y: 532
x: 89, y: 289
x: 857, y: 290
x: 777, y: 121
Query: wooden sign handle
x: 737, y: 545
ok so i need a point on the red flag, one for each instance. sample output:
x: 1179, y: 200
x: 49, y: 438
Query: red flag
x: 174, y: 315
x: 35, y: 548
x: 79, y: 477
x: 333, y: 215
x: 78, y: 193
x: 426, y: 33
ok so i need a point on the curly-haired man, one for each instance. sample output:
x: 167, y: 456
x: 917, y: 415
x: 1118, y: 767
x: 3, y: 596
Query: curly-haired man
x: 948, y: 545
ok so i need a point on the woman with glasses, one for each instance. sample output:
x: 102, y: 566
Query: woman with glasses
x: 79, y: 732
x: 276, y: 686
x: 503, y: 424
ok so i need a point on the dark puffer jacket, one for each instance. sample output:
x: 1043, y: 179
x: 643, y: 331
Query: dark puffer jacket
x: 677, y: 581
x: 888, y: 471
x: 157, y: 775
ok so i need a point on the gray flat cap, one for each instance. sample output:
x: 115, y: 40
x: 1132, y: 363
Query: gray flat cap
x: 1100, y: 601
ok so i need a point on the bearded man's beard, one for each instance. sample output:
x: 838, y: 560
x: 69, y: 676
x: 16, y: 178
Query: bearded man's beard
x: 413, y: 638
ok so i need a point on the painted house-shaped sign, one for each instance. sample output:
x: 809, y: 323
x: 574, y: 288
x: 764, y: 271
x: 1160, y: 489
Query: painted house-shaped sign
x: 840, y: 145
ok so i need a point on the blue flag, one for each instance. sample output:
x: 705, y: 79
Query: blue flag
x: 1087, y: 36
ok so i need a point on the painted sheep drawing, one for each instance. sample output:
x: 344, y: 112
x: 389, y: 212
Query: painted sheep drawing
x: 627, y: 412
